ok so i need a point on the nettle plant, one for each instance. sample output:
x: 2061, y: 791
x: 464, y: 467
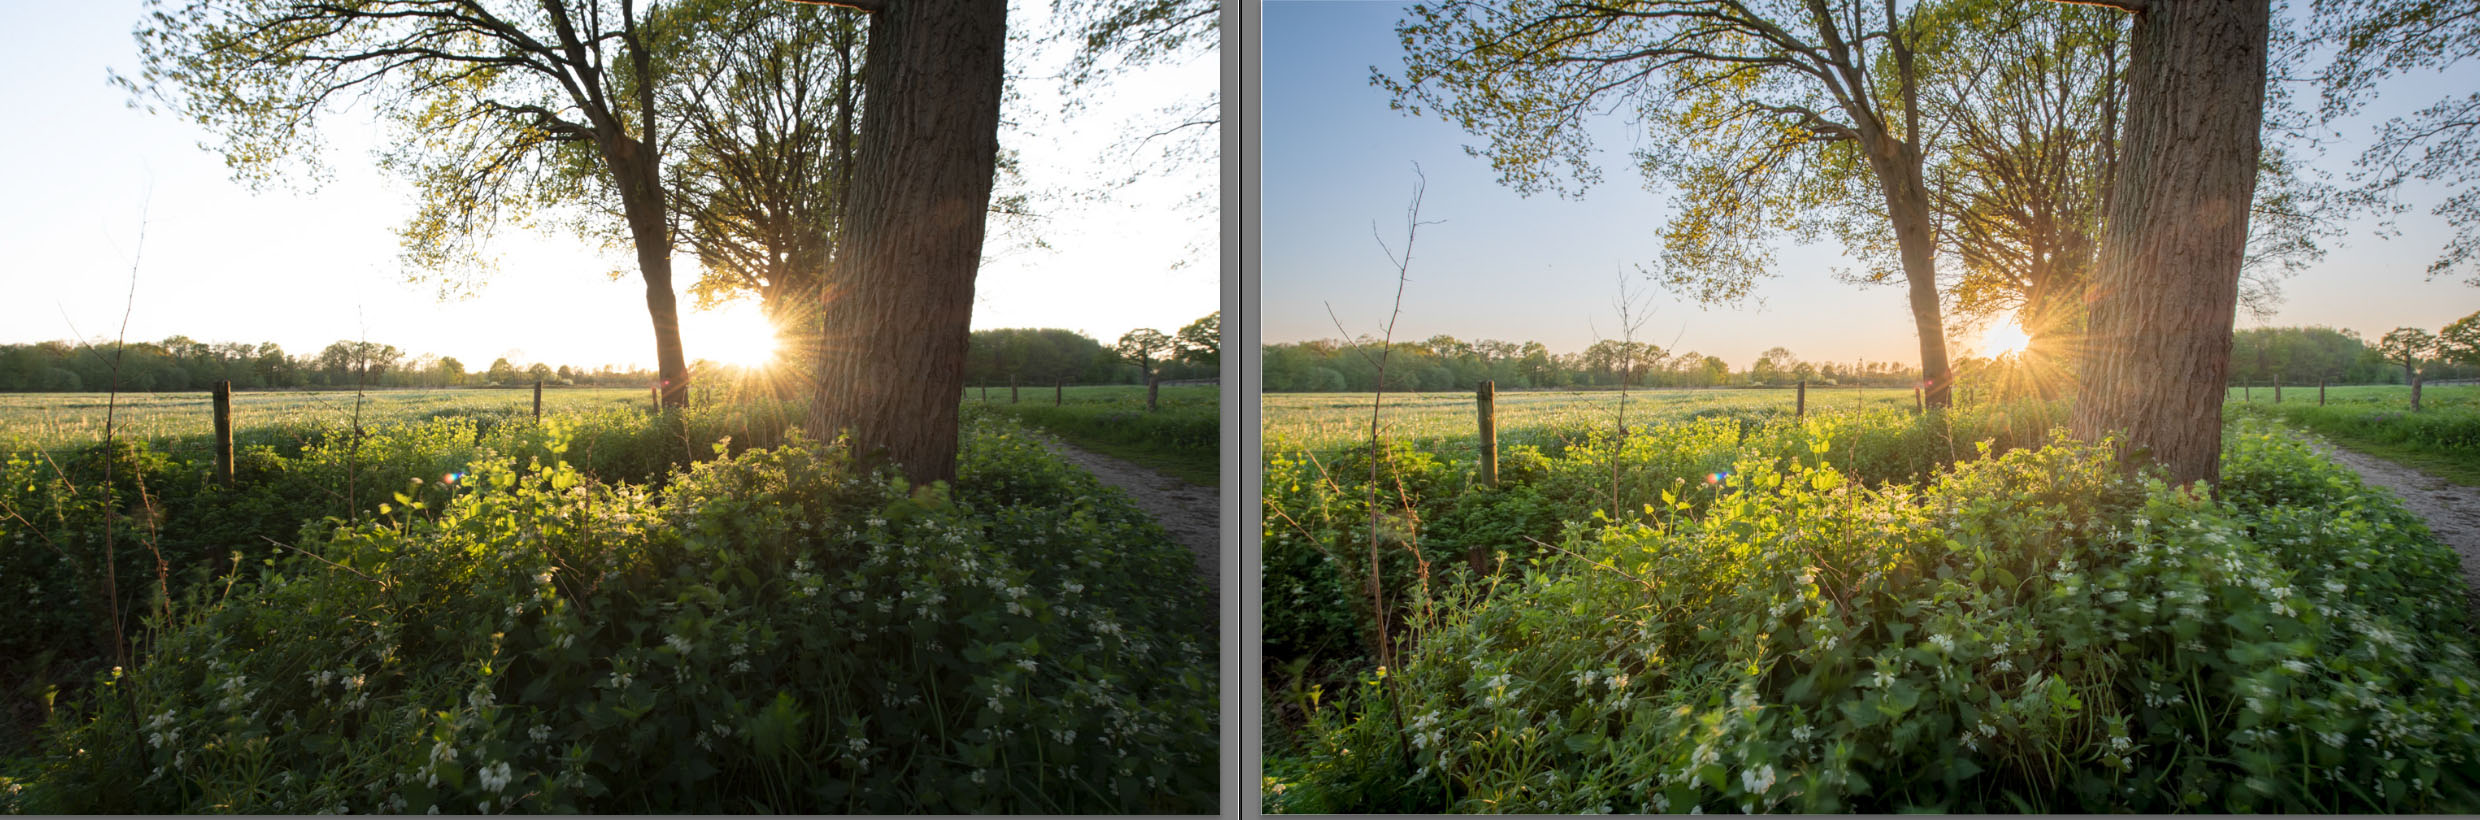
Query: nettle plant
x: 2029, y: 632
x: 777, y: 631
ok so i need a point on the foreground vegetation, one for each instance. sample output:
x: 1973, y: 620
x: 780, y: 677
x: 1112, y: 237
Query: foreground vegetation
x: 1826, y: 616
x: 1183, y: 436
x: 575, y: 616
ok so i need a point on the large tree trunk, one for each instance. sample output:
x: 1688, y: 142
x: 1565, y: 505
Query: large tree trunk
x: 896, y: 316
x: 2161, y: 301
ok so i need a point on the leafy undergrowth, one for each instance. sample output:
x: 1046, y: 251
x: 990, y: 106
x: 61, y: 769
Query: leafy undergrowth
x: 172, y: 530
x: 776, y: 630
x: 2031, y: 631
x: 1435, y: 510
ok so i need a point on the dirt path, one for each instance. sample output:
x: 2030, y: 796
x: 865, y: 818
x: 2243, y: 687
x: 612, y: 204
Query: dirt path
x: 2452, y: 510
x: 1191, y: 513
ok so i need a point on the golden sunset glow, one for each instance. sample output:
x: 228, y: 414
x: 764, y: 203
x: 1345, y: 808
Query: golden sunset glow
x: 738, y: 334
x: 2004, y: 338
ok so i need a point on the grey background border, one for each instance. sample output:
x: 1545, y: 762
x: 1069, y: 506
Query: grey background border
x: 1242, y: 475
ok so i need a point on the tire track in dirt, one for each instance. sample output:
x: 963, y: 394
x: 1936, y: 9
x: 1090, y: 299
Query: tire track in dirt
x: 1191, y: 513
x: 2451, y: 510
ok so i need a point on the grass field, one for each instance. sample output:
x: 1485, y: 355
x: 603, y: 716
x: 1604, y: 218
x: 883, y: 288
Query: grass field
x: 50, y: 421
x: 2443, y: 439
x: 1182, y: 438
x: 1320, y: 421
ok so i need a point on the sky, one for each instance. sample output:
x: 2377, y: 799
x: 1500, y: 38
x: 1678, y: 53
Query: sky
x: 304, y: 268
x: 1499, y: 266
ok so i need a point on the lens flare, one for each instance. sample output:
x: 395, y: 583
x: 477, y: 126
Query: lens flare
x: 2004, y: 339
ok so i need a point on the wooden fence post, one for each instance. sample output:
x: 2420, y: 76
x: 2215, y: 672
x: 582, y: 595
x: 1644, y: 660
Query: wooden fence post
x: 1917, y: 406
x: 657, y: 392
x: 2320, y: 392
x: 1153, y: 389
x: 1059, y: 392
x: 538, y: 400
x: 1487, y: 399
x: 2247, y: 390
x: 1011, y: 388
x: 223, y: 433
x: 1799, y: 409
x: 985, y: 394
x: 2277, y: 388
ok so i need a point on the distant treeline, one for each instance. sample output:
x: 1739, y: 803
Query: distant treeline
x: 1448, y: 363
x: 2298, y: 355
x: 1048, y: 355
x: 2303, y: 355
x: 180, y: 363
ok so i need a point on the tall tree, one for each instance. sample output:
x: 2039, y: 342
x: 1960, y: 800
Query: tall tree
x: 2459, y: 342
x: 764, y: 99
x: 2406, y: 346
x: 1765, y: 117
x: 501, y: 107
x: 894, y: 326
x: 2026, y: 98
x: 2162, y: 300
x: 1201, y: 341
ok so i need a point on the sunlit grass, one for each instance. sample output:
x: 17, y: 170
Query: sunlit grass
x: 51, y: 421
x: 1320, y: 421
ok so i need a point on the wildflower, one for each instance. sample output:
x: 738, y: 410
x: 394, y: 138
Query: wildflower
x: 496, y: 777
x: 1758, y: 781
x: 677, y: 643
x: 1028, y: 665
x: 1944, y: 644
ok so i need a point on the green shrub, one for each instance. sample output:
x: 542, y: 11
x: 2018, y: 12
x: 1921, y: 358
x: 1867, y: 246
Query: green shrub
x: 2032, y: 631
x: 773, y: 631
x: 1316, y: 528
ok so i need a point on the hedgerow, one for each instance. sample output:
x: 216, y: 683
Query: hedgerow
x: 773, y: 630
x: 2030, y: 631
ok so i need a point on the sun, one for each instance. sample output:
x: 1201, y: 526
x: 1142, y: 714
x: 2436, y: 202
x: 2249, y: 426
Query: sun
x: 736, y: 334
x: 2005, y: 338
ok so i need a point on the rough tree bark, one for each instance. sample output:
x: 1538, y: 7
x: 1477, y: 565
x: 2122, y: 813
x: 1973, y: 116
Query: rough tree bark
x: 896, y: 316
x: 2162, y: 300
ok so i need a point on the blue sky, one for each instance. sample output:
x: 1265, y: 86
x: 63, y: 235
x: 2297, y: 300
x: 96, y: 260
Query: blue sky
x: 1545, y: 269
x: 221, y: 263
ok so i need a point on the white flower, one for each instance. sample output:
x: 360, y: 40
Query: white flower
x: 858, y: 745
x: 1758, y: 781
x: 496, y: 777
x: 1944, y: 644
x: 677, y: 643
x: 1028, y: 665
